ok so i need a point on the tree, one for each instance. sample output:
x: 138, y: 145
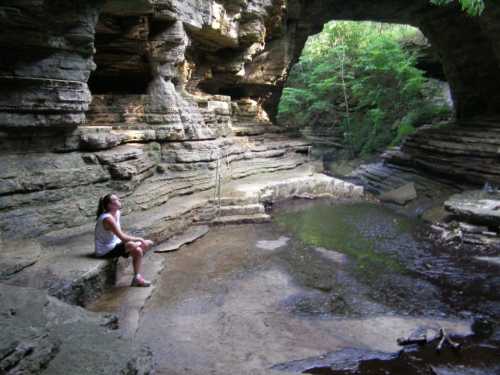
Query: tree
x: 356, y: 79
x: 473, y: 7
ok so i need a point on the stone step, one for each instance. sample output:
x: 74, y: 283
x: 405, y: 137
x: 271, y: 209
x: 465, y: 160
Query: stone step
x: 242, y: 219
x: 234, y: 201
x: 66, y: 268
x: 130, y: 300
x: 248, y: 209
x: 249, y: 130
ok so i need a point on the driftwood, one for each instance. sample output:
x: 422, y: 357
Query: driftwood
x: 422, y: 340
x: 443, y: 336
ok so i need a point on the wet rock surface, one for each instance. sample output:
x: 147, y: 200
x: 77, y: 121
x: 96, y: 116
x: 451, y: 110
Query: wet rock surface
x: 479, y: 359
x: 154, y: 100
x: 268, y: 298
x: 432, y: 275
x: 475, y: 207
x: 16, y: 256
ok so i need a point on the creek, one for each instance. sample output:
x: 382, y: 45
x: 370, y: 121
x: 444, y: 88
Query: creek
x: 327, y: 287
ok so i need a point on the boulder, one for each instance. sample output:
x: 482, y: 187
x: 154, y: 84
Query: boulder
x: 475, y: 206
x: 41, y: 332
x: 401, y: 195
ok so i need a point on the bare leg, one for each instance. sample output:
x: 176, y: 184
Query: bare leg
x: 134, y: 249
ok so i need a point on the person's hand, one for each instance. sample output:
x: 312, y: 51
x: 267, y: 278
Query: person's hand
x: 145, y: 242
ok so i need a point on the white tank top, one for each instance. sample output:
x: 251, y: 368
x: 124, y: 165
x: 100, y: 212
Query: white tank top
x: 105, y: 240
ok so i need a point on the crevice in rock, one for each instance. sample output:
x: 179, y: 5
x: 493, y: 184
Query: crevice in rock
x: 121, y: 56
x: 127, y: 84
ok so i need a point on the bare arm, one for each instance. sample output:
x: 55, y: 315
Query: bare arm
x: 110, y: 224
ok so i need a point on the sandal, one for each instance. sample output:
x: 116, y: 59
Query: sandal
x: 140, y: 281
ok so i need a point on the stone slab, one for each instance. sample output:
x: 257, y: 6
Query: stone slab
x: 177, y: 241
x: 126, y: 302
x: 67, y: 268
x: 491, y: 260
x: 17, y: 255
x: 475, y: 206
x: 242, y: 219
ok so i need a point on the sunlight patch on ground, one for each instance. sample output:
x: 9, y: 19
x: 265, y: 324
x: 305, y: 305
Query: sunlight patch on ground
x: 272, y: 245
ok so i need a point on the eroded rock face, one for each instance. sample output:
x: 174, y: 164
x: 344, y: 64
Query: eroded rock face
x: 149, y: 98
x: 464, y: 151
x: 47, y: 60
x: 42, y: 334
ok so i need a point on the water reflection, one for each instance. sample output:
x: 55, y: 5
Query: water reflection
x: 369, y: 234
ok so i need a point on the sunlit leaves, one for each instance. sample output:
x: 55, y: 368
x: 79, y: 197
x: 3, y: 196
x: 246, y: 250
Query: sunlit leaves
x: 365, y: 64
x: 473, y: 7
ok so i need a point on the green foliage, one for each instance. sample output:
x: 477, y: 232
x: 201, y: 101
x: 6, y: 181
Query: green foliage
x: 473, y: 7
x: 357, y: 76
x: 405, y: 128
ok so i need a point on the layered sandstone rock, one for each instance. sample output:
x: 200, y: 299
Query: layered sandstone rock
x: 160, y: 100
x: 466, y: 152
x: 48, y: 48
x: 156, y: 126
x: 150, y: 96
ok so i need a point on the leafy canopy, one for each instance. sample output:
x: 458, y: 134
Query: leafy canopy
x: 357, y: 79
x: 473, y: 7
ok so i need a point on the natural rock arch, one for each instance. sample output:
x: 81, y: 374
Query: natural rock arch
x: 245, y: 48
x: 469, y: 47
x: 194, y: 80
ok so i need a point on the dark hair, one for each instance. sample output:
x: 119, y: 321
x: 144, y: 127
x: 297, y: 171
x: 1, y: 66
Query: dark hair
x: 103, y: 204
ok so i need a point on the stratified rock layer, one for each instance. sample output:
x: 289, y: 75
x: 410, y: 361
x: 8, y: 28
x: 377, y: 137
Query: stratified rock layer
x: 476, y: 207
x: 466, y: 152
x: 155, y: 99
x: 168, y: 102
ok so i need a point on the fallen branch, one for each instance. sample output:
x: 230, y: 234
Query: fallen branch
x: 445, y: 338
x: 422, y: 340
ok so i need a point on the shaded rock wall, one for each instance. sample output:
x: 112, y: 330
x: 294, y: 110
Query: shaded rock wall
x: 466, y: 152
x: 147, y: 97
x: 46, y: 62
x: 171, y: 102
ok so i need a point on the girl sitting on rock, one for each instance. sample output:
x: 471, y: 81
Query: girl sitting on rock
x: 112, y: 242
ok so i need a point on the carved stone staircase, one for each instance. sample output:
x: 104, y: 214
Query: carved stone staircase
x: 237, y: 210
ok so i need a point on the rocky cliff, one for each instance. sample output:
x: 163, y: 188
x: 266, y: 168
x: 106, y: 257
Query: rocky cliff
x: 146, y: 98
x: 150, y: 98
x: 161, y: 101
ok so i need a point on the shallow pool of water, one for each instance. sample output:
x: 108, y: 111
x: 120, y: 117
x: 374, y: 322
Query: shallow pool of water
x: 369, y: 234
x: 391, y: 253
x: 323, y: 280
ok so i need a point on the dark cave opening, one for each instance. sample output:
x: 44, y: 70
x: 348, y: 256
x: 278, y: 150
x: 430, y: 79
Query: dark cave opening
x: 126, y: 84
x: 121, y: 56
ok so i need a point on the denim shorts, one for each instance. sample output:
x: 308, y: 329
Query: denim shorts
x: 117, y: 251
